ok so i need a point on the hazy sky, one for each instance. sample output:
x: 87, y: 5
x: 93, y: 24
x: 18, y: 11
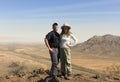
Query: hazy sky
x: 30, y: 20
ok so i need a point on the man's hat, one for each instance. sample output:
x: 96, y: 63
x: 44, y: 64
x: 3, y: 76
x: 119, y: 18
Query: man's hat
x: 65, y: 26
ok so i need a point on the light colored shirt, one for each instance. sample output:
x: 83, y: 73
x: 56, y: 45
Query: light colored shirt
x: 68, y: 41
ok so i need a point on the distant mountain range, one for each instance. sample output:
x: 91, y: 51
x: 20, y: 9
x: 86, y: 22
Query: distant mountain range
x: 104, y: 46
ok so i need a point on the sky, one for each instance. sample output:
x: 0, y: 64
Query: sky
x: 31, y: 20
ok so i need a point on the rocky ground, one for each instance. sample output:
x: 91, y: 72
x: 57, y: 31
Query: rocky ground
x: 43, y: 76
x: 22, y: 63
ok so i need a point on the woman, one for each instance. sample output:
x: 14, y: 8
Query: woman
x: 67, y: 40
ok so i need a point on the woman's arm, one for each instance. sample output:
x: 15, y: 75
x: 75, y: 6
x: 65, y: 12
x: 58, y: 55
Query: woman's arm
x: 75, y: 41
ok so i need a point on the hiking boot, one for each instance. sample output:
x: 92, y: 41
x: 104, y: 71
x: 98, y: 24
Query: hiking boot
x: 59, y: 74
x: 68, y: 77
x: 55, y: 79
x: 69, y: 74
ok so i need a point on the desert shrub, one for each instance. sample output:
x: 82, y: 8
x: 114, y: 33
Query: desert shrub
x: 18, y: 69
x: 39, y: 71
x: 14, y: 64
x: 25, y: 67
x: 113, y: 70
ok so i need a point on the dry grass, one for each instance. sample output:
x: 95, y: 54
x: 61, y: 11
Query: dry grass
x: 14, y: 63
x: 34, y: 55
x: 113, y: 70
x: 18, y: 68
x: 21, y: 69
x: 24, y: 59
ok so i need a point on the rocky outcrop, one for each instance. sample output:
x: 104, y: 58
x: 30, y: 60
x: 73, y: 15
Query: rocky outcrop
x: 107, y: 46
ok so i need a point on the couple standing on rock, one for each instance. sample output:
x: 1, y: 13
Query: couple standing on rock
x: 59, y: 48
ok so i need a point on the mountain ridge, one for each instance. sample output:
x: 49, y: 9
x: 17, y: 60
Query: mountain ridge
x: 106, y: 46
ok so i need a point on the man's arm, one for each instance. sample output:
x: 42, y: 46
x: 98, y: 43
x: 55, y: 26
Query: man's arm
x: 47, y: 44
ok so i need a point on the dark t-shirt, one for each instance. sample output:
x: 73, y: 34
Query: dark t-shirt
x: 53, y: 38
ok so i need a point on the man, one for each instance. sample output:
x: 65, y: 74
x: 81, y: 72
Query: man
x: 52, y: 42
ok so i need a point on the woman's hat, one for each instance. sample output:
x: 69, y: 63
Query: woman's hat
x: 65, y: 26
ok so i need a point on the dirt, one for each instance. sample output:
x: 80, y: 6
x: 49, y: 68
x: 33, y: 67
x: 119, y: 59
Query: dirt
x: 35, y: 57
x: 43, y: 76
